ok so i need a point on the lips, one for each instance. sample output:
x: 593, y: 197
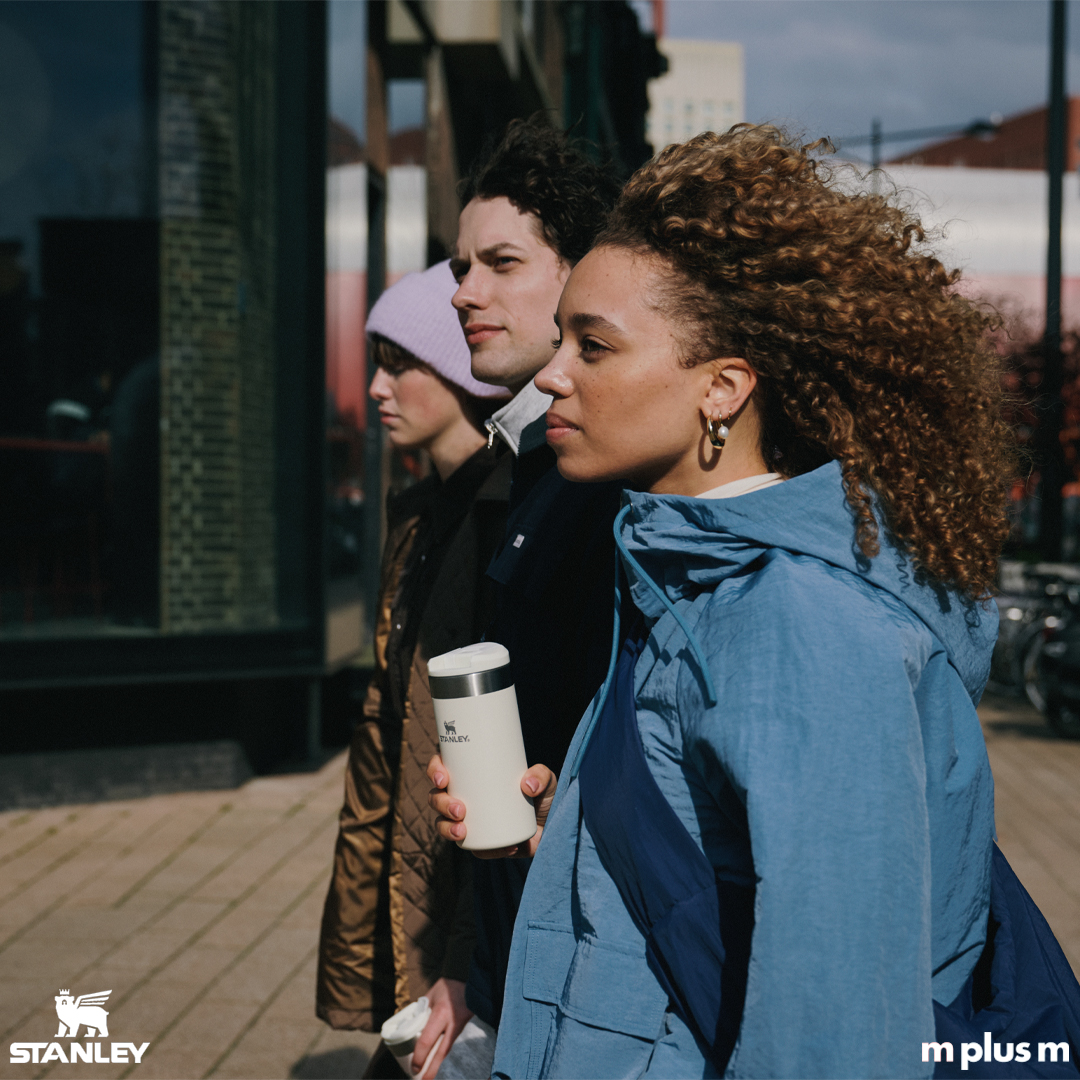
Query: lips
x: 558, y: 427
x: 475, y: 333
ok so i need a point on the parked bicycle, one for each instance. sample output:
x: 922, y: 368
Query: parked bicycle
x: 1038, y: 650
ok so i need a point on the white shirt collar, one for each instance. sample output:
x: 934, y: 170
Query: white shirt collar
x: 741, y: 487
x: 520, y: 422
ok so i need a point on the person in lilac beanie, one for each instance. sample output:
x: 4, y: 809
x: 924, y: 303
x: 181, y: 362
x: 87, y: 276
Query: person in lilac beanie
x: 398, y: 917
x: 416, y: 315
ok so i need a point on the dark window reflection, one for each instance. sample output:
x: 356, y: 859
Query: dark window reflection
x: 79, y: 319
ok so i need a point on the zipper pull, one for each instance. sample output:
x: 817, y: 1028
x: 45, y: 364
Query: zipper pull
x: 492, y: 431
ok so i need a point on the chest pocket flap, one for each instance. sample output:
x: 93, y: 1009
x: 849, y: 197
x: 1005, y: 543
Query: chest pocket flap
x: 610, y: 986
x: 549, y: 951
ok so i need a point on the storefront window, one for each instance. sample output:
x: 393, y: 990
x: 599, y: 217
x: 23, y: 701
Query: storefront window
x: 139, y: 356
x: 79, y: 320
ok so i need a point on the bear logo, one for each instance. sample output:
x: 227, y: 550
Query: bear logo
x: 74, y: 1012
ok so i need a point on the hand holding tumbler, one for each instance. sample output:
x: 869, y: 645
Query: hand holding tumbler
x: 480, y: 741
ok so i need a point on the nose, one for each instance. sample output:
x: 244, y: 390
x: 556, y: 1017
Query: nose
x: 470, y: 295
x: 553, y: 378
x: 382, y: 386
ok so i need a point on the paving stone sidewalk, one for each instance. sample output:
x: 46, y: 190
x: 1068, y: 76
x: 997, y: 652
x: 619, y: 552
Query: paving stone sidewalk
x: 1037, y: 804
x: 200, y: 911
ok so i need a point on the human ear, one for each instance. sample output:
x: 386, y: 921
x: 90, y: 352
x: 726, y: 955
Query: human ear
x: 730, y: 386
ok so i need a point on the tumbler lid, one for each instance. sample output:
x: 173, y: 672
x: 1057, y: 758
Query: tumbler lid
x: 402, y: 1030
x: 483, y: 656
x: 469, y: 671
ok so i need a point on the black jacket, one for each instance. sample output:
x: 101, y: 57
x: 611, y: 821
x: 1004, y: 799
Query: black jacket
x: 556, y: 575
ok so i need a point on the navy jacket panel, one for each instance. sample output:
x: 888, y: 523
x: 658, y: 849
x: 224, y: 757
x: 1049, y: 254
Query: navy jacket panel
x: 555, y: 571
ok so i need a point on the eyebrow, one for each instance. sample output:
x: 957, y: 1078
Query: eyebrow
x: 582, y: 320
x: 490, y: 251
x: 503, y: 245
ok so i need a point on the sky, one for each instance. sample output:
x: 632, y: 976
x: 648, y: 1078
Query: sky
x: 829, y: 67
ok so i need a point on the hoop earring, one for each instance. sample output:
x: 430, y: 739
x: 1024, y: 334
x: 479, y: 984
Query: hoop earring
x: 718, y: 431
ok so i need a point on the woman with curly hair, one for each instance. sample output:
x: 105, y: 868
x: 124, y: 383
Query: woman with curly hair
x: 771, y: 849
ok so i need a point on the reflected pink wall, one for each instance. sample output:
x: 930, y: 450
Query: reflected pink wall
x: 346, y: 312
x: 1024, y: 298
x: 346, y: 351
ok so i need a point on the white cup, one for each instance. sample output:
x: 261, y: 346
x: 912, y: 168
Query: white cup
x: 480, y: 741
x: 401, y: 1032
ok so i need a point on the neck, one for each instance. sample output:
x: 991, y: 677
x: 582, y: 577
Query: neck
x: 453, y: 447
x: 710, y: 468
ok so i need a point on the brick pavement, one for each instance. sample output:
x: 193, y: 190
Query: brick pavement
x: 1037, y: 802
x: 200, y: 911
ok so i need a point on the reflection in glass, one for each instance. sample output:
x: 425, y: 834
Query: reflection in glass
x: 346, y: 295
x: 78, y: 318
x: 138, y: 356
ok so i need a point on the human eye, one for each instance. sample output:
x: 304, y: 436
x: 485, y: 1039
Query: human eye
x: 504, y: 262
x: 592, y: 350
x: 556, y: 343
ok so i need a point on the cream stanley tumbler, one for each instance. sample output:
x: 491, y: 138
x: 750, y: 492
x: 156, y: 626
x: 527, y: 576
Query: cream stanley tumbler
x: 479, y: 729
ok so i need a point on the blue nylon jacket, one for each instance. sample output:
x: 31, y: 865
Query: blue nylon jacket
x: 842, y: 769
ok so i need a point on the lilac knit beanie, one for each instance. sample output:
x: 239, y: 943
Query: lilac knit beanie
x: 416, y: 314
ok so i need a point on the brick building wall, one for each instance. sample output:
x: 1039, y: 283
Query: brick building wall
x: 216, y: 169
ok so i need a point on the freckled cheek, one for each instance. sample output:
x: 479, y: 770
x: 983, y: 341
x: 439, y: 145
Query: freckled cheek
x: 619, y: 418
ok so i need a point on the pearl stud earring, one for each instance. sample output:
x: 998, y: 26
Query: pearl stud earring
x: 718, y: 431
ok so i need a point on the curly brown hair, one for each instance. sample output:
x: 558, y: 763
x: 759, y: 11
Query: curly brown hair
x: 865, y: 353
x: 542, y: 171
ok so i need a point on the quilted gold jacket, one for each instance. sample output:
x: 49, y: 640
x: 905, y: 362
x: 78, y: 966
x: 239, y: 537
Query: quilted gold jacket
x: 399, y: 912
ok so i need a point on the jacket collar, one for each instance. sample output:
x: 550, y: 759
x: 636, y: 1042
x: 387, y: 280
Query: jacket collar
x: 520, y: 423
x: 688, y: 546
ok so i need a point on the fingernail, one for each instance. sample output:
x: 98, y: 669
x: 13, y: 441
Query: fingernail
x: 457, y: 810
x: 440, y: 780
x: 533, y: 784
x: 457, y: 831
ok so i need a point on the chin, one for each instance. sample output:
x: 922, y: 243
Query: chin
x: 487, y: 369
x: 404, y: 444
x: 583, y: 472
x: 497, y: 369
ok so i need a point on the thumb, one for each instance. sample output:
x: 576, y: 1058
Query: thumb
x: 540, y: 784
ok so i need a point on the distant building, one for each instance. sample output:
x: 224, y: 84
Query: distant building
x: 989, y: 198
x: 991, y: 223
x: 703, y: 90
x: 1020, y: 143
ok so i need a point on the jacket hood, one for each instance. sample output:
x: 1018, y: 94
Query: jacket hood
x: 689, y: 545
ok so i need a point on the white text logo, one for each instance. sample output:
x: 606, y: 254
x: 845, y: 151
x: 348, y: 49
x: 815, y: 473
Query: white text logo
x: 972, y: 1052
x: 75, y: 1013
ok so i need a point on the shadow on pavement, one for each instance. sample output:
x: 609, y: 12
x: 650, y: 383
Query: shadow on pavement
x: 1014, y: 717
x: 345, y: 1063
x: 1021, y: 730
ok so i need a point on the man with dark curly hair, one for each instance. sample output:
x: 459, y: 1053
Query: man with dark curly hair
x: 532, y: 206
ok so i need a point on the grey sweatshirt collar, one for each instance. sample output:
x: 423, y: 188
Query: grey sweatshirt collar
x: 520, y: 422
